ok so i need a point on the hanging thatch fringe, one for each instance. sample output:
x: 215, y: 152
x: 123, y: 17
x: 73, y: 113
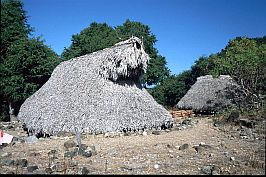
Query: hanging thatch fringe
x: 210, y: 94
x: 98, y: 92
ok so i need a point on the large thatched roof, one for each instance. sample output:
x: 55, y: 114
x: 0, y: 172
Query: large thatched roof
x: 210, y: 94
x: 98, y: 92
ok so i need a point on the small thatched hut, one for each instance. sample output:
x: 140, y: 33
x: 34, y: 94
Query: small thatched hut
x: 210, y: 94
x: 96, y: 93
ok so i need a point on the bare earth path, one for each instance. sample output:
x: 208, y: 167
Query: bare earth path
x: 220, y: 153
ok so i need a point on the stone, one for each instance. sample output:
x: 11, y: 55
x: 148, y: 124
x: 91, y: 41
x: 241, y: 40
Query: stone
x: 163, y: 145
x: 126, y: 134
x: 207, y: 169
x: 34, y: 154
x: 156, y: 132
x: 202, y: 143
x: 211, y: 155
x: 10, y: 127
x: 156, y: 166
x: 70, y: 154
x: 126, y: 168
x: 247, y: 123
x: 106, y: 135
x: 226, y: 154
x: 38, y: 171
x: 183, y: 146
x: 171, y: 156
x: 72, y: 163
x: 3, y: 145
x: 233, y: 117
x: 232, y: 158
x: 86, y: 153
x: 8, y: 162
x: 215, y: 170
x: 10, y: 173
x: 31, y: 168
x: 48, y: 170
x: 64, y: 134
x: 53, y: 151
x: 84, y: 146
x: 70, y: 144
x: 15, y: 138
x: 179, y: 128
x: 169, y: 146
x: 84, y: 171
x: 140, y: 132
x: 92, y: 149
x: 57, y: 167
x: 170, y: 151
x: 144, y: 133
x: 167, y: 130
x: 217, y: 123
x: 112, y: 134
x: 21, y: 162
x: 244, y: 137
x: 31, y: 139
x: 186, y: 122
x: 202, y: 147
x: 74, y: 149
x: 21, y: 140
x: 53, y: 167
x: 6, y: 154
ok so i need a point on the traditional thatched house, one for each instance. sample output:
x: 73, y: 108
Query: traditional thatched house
x: 99, y: 92
x: 210, y: 94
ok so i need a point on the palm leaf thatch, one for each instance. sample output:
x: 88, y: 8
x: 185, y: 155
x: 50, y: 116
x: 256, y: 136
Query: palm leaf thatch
x: 96, y: 93
x: 210, y: 94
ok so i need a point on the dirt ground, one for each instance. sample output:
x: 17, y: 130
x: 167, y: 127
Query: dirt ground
x: 220, y: 152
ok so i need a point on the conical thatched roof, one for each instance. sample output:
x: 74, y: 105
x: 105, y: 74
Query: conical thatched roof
x: 210, y: 94
x: 99, y: 92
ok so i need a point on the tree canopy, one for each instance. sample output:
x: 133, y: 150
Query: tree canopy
x: 26, y: 63
x: 244, y: 60
x: 14, y: 24
x: 27, y: 67
x: 96, y: 37
x: 169, y: 91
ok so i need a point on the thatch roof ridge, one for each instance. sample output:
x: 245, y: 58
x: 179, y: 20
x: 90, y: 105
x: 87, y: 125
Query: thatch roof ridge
x: 97, y: 92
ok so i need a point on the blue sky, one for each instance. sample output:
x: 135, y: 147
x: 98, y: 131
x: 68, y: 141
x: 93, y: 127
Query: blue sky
x: 185, y: 29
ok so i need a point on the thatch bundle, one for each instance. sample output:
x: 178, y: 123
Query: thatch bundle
x: 210, y: 94
x: 96, y: 93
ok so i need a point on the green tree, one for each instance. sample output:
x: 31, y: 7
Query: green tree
x: 203, y: 66
x: 244, y: 60
x: 26, y: 64
x: 13, y: 24
x: 156, y: 71
x: 261, y: 82
x: 96, y: 37
x: 13, y: 27
x: 172, y: 89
